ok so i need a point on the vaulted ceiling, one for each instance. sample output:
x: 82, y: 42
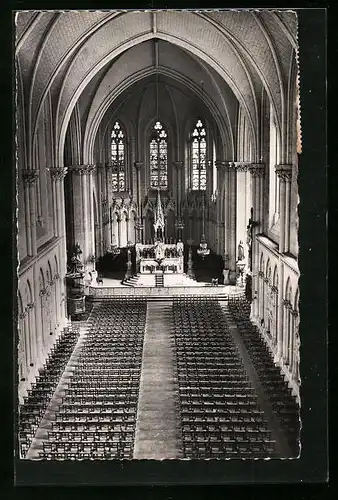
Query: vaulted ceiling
x: 101, y: 59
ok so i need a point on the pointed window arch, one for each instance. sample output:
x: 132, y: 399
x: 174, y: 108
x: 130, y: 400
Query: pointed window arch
x: 198, y: 157
x: 158, y: 154
x: 118, y: 158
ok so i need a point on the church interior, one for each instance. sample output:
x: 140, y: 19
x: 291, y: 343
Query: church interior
x: 157, y: 155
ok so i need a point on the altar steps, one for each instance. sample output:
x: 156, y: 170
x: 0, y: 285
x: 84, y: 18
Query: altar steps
x: 159, y: 281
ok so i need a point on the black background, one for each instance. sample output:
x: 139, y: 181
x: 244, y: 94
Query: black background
x: 306, y: 477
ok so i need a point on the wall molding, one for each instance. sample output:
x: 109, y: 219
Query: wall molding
x: 26, y: 264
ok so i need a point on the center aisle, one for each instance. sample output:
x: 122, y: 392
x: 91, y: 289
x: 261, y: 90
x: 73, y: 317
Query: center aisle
x: 158, y: 433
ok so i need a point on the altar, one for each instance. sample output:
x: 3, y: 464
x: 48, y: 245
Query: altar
x: 160, y: 258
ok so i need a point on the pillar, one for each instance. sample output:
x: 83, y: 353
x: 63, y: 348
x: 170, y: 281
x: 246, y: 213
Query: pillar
x: 57, y: 177
x: 100, y: 175
x: 257, y: 171
x: 223, y: 218
x: 232, y: 222
x: 139, y: 223
x: 82, y: 207
x: 280, y: 319
x: 179, y: 166
x: 284, y: 174
x: 30, y: 178
x: 108, y: 202
x: 92, y: 250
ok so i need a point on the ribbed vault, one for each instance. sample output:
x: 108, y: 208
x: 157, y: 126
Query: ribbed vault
x: 59, y: 53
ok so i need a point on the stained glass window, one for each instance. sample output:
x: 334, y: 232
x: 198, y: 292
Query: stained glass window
x: 118, y: 143
x: 198, y: 157
x: 158, y: 150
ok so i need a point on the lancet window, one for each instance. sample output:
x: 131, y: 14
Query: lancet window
x: 158, y: 149
x: 118, y: 159
x: 198, y: 157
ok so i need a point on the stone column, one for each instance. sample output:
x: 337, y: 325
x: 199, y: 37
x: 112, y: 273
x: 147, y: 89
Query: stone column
x: 30, y: 178
x: 85, y: 221
x: 257, y: 174
x: 118, y: 231
x: 31, y: 333
x: 55, y: 205
x: 139, y: 224
x: 91, y: 172
x: 57, y: 176
x: 232, y: 222
x: 99, y: 170
x: 77, y: 172
x: 284, y: 173
x: 280, y: 319
x: 82, y: 208
x: 179, y: 165
x: 223, y: 180
x: 243, y: 209
x: 21, y: 345
x: 127, y: 228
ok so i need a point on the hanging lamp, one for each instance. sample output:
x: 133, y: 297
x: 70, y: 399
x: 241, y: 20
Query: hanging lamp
x: 203, y: 249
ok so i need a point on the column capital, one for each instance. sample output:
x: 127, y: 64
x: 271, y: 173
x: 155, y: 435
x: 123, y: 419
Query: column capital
x: 221, y: 165
x: 90, y: 169
x: 82, y: 169
x: 138, y: 165
x: 58, y: 173
x: 257, y: 169
x: 284, y: 172
x: 178, y: 164
x: 240, y: 166
x: 30, y: 176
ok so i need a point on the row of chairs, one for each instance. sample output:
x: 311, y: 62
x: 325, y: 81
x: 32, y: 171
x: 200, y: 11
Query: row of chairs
x: 96, y: 418
x: 220, y: 415
x: 39, y: 395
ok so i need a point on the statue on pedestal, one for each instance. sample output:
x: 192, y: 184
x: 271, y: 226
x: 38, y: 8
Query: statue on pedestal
x: 249, y: 237
x: 180, y: 248
x: 159, y: 250
x: 240, y: 251
x: 76, y: 264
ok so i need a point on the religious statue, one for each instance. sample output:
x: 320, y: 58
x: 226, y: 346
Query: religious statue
x: 159, y: 251
x: 180, y: 248
x: 249, y: 233
x: 240, y: 251
x: 138, y: 252
x: 76, y: 263
x: 77, y: 249
x: 248, y: 288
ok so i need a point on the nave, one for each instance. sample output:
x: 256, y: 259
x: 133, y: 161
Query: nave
x: 188, y: 377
